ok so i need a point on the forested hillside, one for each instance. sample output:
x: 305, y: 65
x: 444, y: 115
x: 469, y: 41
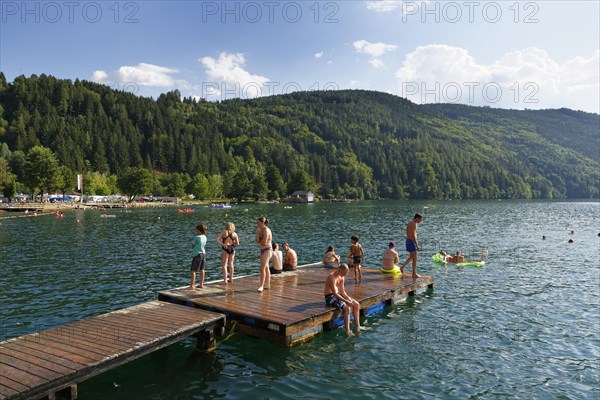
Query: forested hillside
x: 356, y: 144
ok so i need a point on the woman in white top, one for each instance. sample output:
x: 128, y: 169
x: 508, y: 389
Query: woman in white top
x: 276, y: 260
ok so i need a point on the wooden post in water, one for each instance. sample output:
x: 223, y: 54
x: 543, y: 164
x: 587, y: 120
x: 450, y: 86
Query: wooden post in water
x: 68, y: 393
x: 206, y: 340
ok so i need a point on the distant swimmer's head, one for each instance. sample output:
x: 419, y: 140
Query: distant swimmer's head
x: 570, y: 241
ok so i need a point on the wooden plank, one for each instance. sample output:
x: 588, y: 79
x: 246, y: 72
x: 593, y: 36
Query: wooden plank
x: 122, y: 326
x: 22, y: 377
x: 90, y: 354
x: 113, y: 332
x: 30, y: 368
x: 79, y: 342
x: 35, y: 360
x: 76, y: 357
x: 99, y: 334
x: 12, y: 384
x: 6, y: 391
x: 62, y: 350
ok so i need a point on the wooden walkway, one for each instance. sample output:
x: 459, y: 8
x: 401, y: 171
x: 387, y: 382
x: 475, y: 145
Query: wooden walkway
x: 52, y: 362
x: 293, y: 310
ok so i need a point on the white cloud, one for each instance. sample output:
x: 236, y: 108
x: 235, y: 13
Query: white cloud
x: 142, y: 74
x: 227, y: 73
x: 376, y: 63
x: 527, y: 78
x: 319, y: 54
x: 373, y: 49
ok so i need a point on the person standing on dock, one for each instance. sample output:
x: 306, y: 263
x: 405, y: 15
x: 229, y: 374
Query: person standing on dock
x: 263, y: 239
x: 336, y: 296
x: 199, y: 260
x: 412, y: 246
x: 358, y: 256
x: 228, y: 240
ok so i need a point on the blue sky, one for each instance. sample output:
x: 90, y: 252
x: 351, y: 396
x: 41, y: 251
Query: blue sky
x: 528, y: 54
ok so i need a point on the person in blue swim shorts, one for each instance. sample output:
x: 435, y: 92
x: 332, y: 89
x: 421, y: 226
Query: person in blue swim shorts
x: 412, y: 246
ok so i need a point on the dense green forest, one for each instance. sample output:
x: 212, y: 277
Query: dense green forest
x: 350, y: 143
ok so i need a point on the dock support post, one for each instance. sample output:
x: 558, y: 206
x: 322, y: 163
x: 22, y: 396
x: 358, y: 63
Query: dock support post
x: 69, y: 393
x: 206, y: 340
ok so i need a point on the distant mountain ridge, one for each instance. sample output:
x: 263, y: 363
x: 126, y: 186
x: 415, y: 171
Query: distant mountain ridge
x: 347, y: 143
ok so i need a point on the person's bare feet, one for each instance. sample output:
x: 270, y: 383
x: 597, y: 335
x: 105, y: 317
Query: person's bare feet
x: 200, y: 286
x: 260, y: 289
x: 350, y: 333
x: 190, y: 288
x: 416, y: 276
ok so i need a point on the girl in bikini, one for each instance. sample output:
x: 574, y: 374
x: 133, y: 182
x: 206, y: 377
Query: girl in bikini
x: 228, y: 240
x: 263, y: 239
x: 330, y: 258
x: 390, y: 257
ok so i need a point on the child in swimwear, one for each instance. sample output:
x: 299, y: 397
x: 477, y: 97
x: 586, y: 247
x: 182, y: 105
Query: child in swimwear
x: 199, y: 256
x: 358, y: 255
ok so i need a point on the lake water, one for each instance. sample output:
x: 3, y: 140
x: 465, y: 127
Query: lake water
x: 525, y: 326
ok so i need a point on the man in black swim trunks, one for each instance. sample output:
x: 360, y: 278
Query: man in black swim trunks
x: 336, y: 296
